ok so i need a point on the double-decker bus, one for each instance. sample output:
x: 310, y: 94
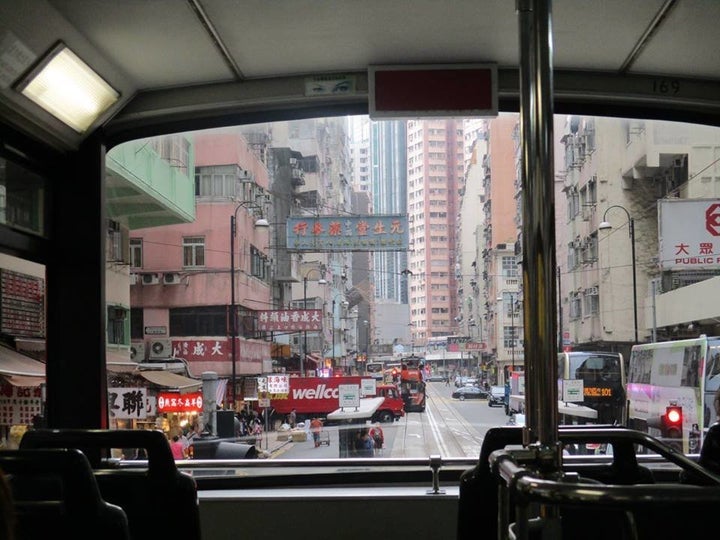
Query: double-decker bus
x: 684, y: 373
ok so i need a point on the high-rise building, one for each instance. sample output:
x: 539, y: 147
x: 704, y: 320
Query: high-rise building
x: 435, y: 165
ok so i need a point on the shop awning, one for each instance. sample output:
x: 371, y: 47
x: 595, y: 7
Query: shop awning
x: 15, y: 364
x: 19, y: 380
x: 172, y: 380
x: 119, y: 363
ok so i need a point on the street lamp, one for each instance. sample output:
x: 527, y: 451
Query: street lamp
x: 366, y: 324
x: 606, y: 226
x: 321, y: 281
x: 260, y: 223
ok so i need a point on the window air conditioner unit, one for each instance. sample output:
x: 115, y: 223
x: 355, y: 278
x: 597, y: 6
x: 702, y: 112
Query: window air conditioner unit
x: 171, y: 278
x: 137, y: 351
x: 160, y: 348
x: 150, y: 279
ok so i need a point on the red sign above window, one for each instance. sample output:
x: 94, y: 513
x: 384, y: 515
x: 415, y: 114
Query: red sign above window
x: 182, y: 403
x: 436, y: 91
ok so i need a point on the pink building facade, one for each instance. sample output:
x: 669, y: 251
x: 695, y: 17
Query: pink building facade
x: 187, y: 300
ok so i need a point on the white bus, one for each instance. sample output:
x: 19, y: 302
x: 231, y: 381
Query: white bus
x: 685, y: 373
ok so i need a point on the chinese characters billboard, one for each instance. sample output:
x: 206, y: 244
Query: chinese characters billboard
x: 386, y: 232
x: 290, y: 320
x: 182, y: 403
x: 689, y: 234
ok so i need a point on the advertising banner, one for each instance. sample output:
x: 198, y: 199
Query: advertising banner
x: 689, y: 234
x: 387, y: 232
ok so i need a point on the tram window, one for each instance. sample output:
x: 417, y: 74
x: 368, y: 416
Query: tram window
x: 259, y: 221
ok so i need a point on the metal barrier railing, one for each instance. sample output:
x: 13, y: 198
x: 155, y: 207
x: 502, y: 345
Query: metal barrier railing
x: 531, y: 502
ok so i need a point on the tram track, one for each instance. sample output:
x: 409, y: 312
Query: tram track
x: 452, y: 434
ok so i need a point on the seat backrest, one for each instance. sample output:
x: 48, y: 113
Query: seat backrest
x: 477, y: 507
x: 54, y: 494
x: 145, y: 495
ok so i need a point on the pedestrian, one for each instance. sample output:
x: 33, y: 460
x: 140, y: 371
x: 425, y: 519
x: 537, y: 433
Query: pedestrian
x: 177, y: 448
x: 316, y: 426
x: 378, y: 438
x: 293, y: 418
x: 364, y: 445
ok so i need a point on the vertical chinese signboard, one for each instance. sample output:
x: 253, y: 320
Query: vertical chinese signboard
x: 22, y: 304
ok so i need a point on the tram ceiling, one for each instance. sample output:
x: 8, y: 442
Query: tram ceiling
x: 235, y: 63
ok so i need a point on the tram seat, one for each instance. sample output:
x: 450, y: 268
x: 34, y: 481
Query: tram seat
x: 478, y: 501
x: 159, y: 501
x: 54, y: 494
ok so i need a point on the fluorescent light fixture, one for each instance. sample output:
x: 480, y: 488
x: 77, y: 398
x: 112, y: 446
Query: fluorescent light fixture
x: 67, y: 88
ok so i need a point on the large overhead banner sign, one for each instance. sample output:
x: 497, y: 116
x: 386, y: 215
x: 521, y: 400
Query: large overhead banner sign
x: 689, y: 234
x: 386, y: 232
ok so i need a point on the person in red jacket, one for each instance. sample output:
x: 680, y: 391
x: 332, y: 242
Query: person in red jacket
x: 378, y: 437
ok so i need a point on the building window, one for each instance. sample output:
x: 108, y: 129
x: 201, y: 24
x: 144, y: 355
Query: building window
x: 116, y: 322
x: 591, y: 301
x: 509, y: 337
x: 575, y: 306
x: 199, y: 321
x: 193, y: 251
x: 217, y: 181
x: 259, y: 264
x: 115, y: 242
x: 136, y: 250
x: 509, y: 267
x: 137, y: 326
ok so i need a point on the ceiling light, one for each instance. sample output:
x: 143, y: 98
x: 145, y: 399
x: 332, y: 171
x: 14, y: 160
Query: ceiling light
x: 67, y: 88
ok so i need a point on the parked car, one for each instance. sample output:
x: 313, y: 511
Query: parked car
x: 435, y: 377
x: 497, y: 396
x: 470, y: 392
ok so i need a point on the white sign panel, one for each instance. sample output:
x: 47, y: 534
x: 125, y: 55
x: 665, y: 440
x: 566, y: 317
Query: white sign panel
x: 369, y: 387
x: 689, y: 234
x: 572, y: 390
x: 349, y: 395
x: 128, y: 403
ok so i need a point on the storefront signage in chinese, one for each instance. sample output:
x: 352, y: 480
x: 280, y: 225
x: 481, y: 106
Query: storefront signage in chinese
x: 19, y: 404
x: 386, y: 232
x: 127, y: 403
x: 182, y: 403
x: 689, y: 234
x: 290, y: 320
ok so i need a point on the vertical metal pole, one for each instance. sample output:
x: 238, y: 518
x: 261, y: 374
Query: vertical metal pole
x: 304, y: 347
x: 560, y: 312
x: 332, y: 354
x: 654, y: 313
x: 634, y: 276
x: 538, y: 218
x: 512, y: 330
x: 233, y: 315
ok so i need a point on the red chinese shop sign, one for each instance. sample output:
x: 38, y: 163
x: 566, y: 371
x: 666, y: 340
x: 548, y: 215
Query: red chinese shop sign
x: 179, y: 403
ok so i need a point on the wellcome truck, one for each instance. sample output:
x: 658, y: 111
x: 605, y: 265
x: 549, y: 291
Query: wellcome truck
x: 319, y: 396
